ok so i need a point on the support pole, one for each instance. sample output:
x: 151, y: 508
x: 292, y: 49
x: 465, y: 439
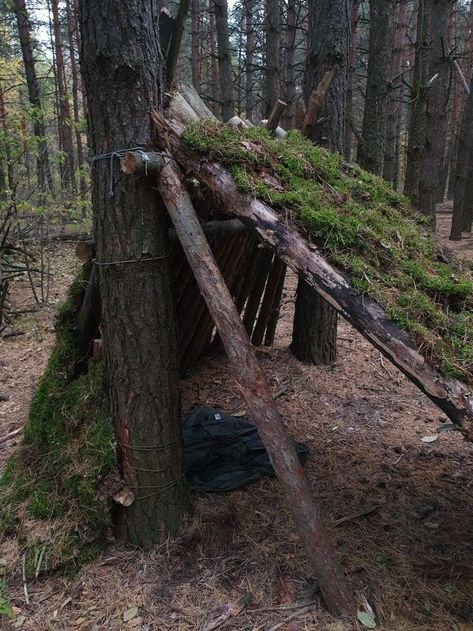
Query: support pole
x: 276, y: 115
x: 254, y: 388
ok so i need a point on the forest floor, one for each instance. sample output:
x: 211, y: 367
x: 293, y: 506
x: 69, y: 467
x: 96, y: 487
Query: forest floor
x: 401, y: 509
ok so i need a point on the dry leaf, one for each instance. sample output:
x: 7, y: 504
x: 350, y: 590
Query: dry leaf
x: 429, y: 439
x: 130, y: 613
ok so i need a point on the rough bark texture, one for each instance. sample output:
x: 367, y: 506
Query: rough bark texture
x: 464, y: 147
x: 195, y: 45
x: 436, y: 109
x: 43, y: 169
x: 224, y: 59
x: 371, y: 152
x: 367, y: 316
x: 254, y: 387
x: 347, y: 150
x: 290, y: 59
x: 272, y: 25
x: 394, y: 107
x: 314, y: 336
x: 417, y: 115
x: 121, y: 65
x: 312, y: 310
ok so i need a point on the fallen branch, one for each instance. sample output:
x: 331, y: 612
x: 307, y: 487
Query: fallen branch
x: 7, y: 437
x: 316, y: 101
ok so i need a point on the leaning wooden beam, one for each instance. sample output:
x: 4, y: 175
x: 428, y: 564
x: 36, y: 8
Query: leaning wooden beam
x: 276, y: 115
x: 366, y: 315
x: 254, y: 388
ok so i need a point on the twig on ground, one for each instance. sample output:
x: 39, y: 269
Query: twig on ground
x: 15, y: 432
x: 353, y: 516
x: 296, y: 614
x: 23, y: 572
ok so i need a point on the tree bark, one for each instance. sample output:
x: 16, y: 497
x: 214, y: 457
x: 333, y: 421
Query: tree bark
x: 249, y: 6
x: 371, y: 152
x: 254, y: 387
x: 65, y: 118
x: 195, y: 45
x: 417, y: 114
x: 464, y: 148
x: 123, y: 74
x: 436, y: 108
x: 272, y: 27
x: 330, y: 28
x: 224, y: 59
x: 43, y: 169
x: 394, y: 107
x: 290, y: 44
x: 347, y: 149
x: 71, y: 34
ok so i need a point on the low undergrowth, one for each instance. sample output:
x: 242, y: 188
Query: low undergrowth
x: 50, y: 487
x: 362, y: 226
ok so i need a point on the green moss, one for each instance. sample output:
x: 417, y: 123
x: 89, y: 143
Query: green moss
x: 51, y: 485
x: 362, y: 226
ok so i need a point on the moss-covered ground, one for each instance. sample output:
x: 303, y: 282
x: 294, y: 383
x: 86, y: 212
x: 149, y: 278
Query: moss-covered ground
x: 362, y: 226
x: 50, y: 487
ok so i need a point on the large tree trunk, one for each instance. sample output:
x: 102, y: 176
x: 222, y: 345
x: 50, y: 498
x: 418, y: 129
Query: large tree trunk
x: 314, y: 336
x: 417, y: 114
x: 224, y: 59
x: 436, y: 111
x: 272, y: 29
x: 290, y: 59
x: 65, y: 119
x: 43, y: 168
x: 371, y: 152
x: 394, y: 108
x: 122, y: 69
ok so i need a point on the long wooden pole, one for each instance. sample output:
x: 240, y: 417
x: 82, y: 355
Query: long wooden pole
x: 254, y: 387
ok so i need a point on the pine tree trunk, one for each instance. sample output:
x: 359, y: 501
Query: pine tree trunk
x: 123, y: 73
x: 436, y: 109
x: 195, y: 44
x: 347, y: 150
x: 417, y: 114
x: 394, y: 107
x: 43, y: 169
x: 371, y: 152
x: 249, y: 58
x: 290, y: 46
x: 65, y: 119
x: 215, y: 95
x: 71, y: 28
x: 224, y: 59
x: 314, y: 337
x: 271, y: 88
x: 464, y: 149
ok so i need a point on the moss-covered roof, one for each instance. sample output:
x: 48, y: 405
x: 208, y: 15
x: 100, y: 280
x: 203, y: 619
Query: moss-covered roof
x: 362, y: 226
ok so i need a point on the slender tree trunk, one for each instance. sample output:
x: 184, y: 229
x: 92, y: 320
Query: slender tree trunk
x: 65, y: 119
x: 43, y: 169
x: 123, y: 73
x: 417, y: 114
x: 436, y: 111
x: 467, y: 214
x: 195, y: 44
x: 271, y: 89
x: 351, y: 70
x: 394, y: 102
x: 224, y: 59
x: 371, y: 152
x: 290, y: 44
x: 249, y: 6
x: 214, y: 59
x: 464, y: 149
x: 71, y: 33
x: 314, y: 336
